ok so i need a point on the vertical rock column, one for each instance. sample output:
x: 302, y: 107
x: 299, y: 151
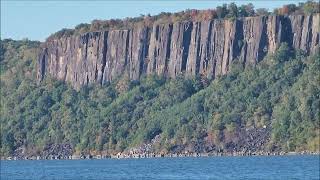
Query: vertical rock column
x: 216, y: 48
x: 193, y: 60
x: 96, y: 50
x: 137, y: 51
x: 297, y: 28
x: 205, y: 66
x: 231, y: 50
x: 301, y: 32
x: 179, y: 47
x: 273, y: 33
x: 159, y: 49
x: 255, y: 40
x: 79, y: 64
x: 54, y: 58
x: 42, y: 63
x: 315, y: 41
x: 198, y: 61
x: 116, y: 54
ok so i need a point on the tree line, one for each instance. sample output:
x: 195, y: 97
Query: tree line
x: 226, y: 11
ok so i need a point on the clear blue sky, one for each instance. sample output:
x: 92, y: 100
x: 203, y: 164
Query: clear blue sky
x: 36, y: 20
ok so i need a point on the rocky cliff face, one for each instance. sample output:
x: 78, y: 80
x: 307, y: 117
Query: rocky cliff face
x: 187, y: 48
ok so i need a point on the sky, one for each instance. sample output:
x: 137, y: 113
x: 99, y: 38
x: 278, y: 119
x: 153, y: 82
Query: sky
x: 37, y: 19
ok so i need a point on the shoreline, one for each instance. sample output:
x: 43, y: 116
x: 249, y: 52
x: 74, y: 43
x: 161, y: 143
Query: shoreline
x: 158, y: 156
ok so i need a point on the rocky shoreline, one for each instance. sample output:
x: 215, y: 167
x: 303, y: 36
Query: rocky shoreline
x: 250, y: 147
x: 158, y: 155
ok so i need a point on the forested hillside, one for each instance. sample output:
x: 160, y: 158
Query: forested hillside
x: 272, y: 106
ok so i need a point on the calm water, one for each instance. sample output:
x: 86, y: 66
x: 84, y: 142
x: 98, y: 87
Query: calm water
x: 284, y: 167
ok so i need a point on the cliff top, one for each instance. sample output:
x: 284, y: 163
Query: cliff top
x: 226, y: 11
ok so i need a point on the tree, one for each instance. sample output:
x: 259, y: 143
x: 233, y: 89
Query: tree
x: 222, y: 11
x: 311, y: 7
x: 232, y: 10
x: 262, y: 12
x: 246, y: 10
x: 283, y: 53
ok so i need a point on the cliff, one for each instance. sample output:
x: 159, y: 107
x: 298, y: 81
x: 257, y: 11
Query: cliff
x: 188, y: 48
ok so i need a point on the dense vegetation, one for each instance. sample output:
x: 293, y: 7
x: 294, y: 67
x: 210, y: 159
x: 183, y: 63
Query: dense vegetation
x: 226, y: 11
x: 281, y: 93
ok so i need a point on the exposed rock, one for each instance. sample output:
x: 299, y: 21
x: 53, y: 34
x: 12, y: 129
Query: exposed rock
x: 205, y: 65
x: 62, y: 151
x: 216, y: 48
x: 207, y: 48
x: 159, y: 49
x: 273, y: 32
x: 255, y: 40
x: 179, y: 48
x: 315, y: 44
x: 116, y: 55
x: 137, y: 52
x: 232, y: 29
x: 57, y: 151
x: 193, y: 61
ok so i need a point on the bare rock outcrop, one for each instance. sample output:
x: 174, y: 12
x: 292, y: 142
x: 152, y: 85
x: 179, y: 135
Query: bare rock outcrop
x: 159, y: 49
x: 182, y: 48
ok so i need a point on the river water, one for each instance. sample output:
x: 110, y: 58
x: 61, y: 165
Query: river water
x: 259, y: 167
